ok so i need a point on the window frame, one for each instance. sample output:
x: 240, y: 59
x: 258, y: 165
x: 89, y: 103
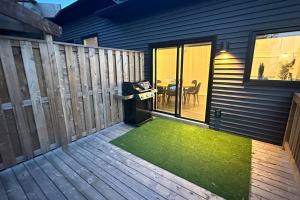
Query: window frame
x: 90, y: 36
x: 250, y: 54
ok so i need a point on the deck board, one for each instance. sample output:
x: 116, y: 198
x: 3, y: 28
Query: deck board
x: 28, y: 184
x: 11, y: 185
x: 145, y: 180
x: 117, y: 184
x: 58, y: 179
x: 92, y: 179
x: 110, y: 152
x: 272, y: 175
x: 47, y: 186
x: 3, y: 194
x: 125, y: 178
x: 92, y: 168
x: 74, y: 178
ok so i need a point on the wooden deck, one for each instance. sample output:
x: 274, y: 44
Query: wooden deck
x: 92, y: 168
x: 272, y: 176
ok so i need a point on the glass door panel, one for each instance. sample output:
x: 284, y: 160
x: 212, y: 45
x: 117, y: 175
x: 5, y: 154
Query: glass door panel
x: 195, y: 80
x: 166, y: 64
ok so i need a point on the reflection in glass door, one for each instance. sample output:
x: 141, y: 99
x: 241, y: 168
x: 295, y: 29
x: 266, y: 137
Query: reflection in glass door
x: 195, y: 76
x: 181, y: 77
x: 166, y: 65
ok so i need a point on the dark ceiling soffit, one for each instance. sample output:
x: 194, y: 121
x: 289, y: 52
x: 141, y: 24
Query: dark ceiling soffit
x: 13, y: 10
x: 136, y: 8
x: 106, y: 12
x: 81, y: 8
x: 69, y: 7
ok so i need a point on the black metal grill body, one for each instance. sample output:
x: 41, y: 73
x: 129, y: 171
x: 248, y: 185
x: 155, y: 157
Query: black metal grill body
x: 137, y: 108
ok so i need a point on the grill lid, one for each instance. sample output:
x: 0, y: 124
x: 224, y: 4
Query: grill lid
x: 136, y: 88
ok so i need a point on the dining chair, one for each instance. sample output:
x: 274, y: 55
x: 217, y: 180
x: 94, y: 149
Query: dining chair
x: 161, y: 91
x: 194, y: 91
x: 189, y: 90
x: 171, y: 91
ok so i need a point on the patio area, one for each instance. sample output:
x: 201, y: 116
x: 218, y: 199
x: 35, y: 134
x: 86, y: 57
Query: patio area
x: 73, y: 78
x: 92, y: 168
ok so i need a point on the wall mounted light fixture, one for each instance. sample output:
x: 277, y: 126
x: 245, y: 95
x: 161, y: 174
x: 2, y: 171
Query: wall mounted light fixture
x: 224, y: 47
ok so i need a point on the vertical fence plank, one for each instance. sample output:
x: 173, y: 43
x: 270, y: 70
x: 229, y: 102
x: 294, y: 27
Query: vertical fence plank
x: 70, y: 59
x: 62, y: 93
x: 90, y: 88
x: 111, y: 75
x: 11, y: 77
x: 294, y: 128
x: 119, y: 73
x: 85, y: 89
x: 292, y: 133
x: 137, y: 66
x: 59, y: 92
x: 125, y: 66
x: 131, y: 67
x: 35, y: 94
x: 63, y: 74
x: 6, y: 147
x: 104, y: 86
x: 59, y: 97
x: 100, y: 92
x: 142, y: 66
x: 95, y: 78
x: 48, y: 74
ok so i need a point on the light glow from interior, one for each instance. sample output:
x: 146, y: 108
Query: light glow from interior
x: 277, y: 57
x: 195, y: 72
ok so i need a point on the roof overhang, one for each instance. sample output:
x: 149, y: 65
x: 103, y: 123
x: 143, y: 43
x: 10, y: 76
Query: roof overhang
x: 21, y: 14
x: 137, y: 8
x: 82, y: 8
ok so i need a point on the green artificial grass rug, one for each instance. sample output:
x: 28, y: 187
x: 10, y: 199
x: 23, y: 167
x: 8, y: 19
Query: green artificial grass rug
x: 214, y: 160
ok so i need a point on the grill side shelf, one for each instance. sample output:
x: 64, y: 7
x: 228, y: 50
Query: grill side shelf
x: 122, y: 97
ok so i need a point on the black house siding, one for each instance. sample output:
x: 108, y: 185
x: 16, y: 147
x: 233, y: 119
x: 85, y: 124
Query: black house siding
x: 256, y: 111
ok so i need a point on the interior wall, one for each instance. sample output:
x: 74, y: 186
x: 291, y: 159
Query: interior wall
x: 166, y: 61
x: 196, y: 64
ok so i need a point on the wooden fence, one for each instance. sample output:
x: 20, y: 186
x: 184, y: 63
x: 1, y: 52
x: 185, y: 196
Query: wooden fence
x: 52, y: 93
x: 292, y: 133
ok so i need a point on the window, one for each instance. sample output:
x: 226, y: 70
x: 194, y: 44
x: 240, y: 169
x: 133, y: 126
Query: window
x: 276, y: 57
x: 91, y: 41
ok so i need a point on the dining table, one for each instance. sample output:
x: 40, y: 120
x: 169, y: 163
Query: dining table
x: 164, y: 87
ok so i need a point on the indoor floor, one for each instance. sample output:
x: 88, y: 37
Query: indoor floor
x: 189, y: 109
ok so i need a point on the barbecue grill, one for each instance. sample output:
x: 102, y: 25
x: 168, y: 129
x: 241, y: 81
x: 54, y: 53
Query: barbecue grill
x: 137, y: 105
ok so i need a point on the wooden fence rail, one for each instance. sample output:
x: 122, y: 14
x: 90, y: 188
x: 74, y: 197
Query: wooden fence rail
x: 292, y: 133
x: 52, y: 93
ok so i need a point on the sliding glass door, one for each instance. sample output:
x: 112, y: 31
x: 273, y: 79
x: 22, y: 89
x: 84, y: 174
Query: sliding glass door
x: 181, y: 76
x: 166, y: 66
x: 195, y: 76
